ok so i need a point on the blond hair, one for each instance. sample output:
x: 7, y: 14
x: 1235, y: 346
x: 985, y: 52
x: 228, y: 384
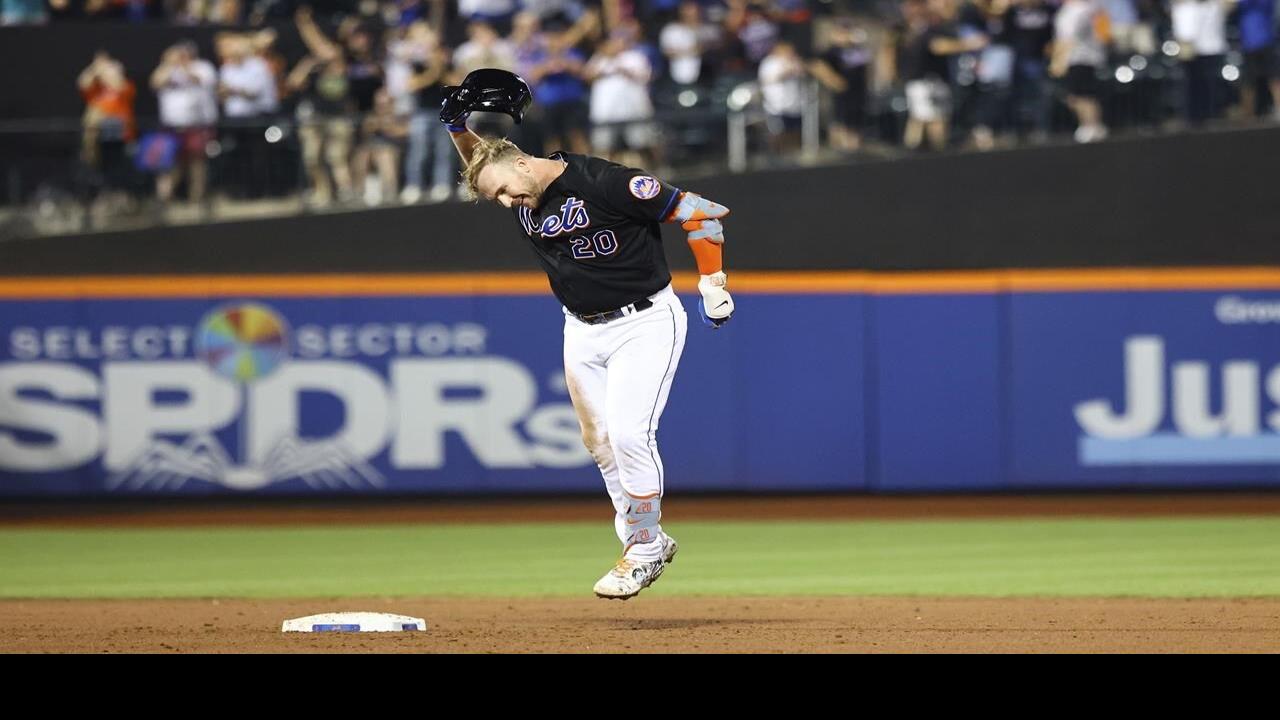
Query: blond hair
x: 485, y: 152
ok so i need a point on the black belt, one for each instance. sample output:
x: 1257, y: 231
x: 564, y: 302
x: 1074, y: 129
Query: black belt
x: 609, y: 315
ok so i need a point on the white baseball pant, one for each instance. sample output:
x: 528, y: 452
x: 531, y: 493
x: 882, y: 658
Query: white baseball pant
x: 619, y: 374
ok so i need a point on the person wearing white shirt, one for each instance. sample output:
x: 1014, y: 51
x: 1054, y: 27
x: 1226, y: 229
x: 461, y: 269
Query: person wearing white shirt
x: 782, y: 76
x: 1200, y: 27
x: 1078, y: 53
x: 248, y: 91
x: 186, y: 87
x: 685, y: 43
x: 485, y: 49
x: 247, y: 86
x: 497, y: 13
x: 620, y: 107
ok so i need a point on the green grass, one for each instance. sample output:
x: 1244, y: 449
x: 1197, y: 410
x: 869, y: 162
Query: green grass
x: 1075, y: 557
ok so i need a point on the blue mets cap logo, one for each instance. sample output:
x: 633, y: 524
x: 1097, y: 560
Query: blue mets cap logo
x: 645, y: 187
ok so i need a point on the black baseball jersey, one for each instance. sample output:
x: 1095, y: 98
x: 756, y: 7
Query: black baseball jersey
x: 597, y: 233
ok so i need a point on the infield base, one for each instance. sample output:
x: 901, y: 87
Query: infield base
x: 354, y: 622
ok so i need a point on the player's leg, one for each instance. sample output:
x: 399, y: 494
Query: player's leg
x: 640, y: 372
x: 584, y: 375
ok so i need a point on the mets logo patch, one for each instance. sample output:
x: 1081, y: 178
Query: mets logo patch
x: 645, y: 187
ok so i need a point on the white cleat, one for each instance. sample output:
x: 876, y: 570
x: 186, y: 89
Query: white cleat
x: 628, y: 577
x: 669, y: 552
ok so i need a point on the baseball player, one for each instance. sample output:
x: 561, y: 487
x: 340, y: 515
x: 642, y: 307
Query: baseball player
x: 594, y: 226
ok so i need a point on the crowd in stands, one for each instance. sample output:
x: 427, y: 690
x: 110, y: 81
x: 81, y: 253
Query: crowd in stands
x: 610, y: 77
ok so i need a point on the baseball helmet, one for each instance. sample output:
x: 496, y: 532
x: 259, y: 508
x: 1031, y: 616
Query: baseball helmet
x: 486, y: 90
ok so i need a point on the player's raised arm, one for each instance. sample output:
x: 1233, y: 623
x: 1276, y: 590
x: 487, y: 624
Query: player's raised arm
x: 454, y: 113
x: 487, y: 89
x: 463, y: 139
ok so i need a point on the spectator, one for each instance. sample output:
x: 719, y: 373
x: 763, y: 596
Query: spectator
x: 795, y: 23
x: 843, y: 71
x: 359, y: 50
x: 527, y: 40
x: 753, y: 29
x: 621, y: 109
x: 928, y: 40
x: 65, y: 10
x: 325, y: 117
x: 364, y: 68
x: 1130, y: 26
x: 1079, y: 52
x: 994, y: 74
x: 559, y: 12
x: 248, y: 92
x: 556, y: 70
x: 187, y: 88
x: 686, y: 42
x: 226, y: 12
x: 782, y: 75
x: 409, y: 12
x: 427, y: 136
x: 1260, y: 89
x: 108, y: 120
x: 1028, y: 28
x: 213, y: 12
x: 407, y: 47
x: 497, y: 14
x: 264, y: 47
x: 484, y: 49
x: 279, y: 169
x: 383, y: 133
x: 1200, y: 27
x: 1121, y: 18
x: 190, y: 12
x: 528, y: 45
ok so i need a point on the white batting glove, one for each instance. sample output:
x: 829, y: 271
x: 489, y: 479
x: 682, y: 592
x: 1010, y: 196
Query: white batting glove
x: 716, y: 306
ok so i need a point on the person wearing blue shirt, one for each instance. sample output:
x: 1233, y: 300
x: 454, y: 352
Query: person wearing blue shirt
x: 555, y: 70
x: 1261, y: 87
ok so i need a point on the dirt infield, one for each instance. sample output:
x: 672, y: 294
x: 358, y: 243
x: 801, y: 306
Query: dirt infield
x: 648, y: 624
x: 276, y: 511
x: 696, y: 625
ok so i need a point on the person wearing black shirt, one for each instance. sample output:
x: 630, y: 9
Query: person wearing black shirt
x: 426, y: 137
x: 364, y: 69
x: 594, y: 226
x: 843, y: 70
x: 326, y: 123
x: 927, y: 42
x: 357, y: 46
x: 1028, y: 28
x: 993, y: 73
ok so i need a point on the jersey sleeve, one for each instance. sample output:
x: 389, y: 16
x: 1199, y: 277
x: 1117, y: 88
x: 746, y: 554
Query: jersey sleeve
x: 638, y: 194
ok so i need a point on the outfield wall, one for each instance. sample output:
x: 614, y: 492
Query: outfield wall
x: 1199, y: 199
x: 992, y: 380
